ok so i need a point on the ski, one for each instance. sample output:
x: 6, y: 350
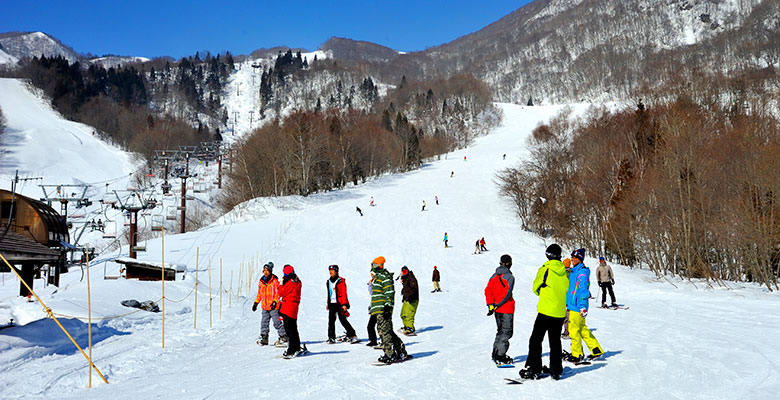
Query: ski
x: 512, y: 381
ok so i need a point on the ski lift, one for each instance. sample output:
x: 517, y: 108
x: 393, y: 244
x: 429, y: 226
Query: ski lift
x: 139, y: 248
x: 158, y: 223
x: 108, y: 234
x: 171, y: 214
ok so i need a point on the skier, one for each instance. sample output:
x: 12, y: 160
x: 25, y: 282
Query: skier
x: 359, y: 210
x: 382, y: 300
x: 268, y: 298
x: 372, y: 339
x: 437, y: 199
x: 410, y: 293
x: 606, y: 280
x: 550, y: 285
x: 476, y: 247
x: 482, y: 244
x: 436, y: 279
x: 452, y: 174
x: 290, y: 297
x: 371, y: 203
x: 577, y: 304
x: 446, y: 239
x: 565, y: 334
x: 337, y: 305
x: 423, y: 208
x: 464, y: 158
x: 498, y: 296
x: 504, y: 156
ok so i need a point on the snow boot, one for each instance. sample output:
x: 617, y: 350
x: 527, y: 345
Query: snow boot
x: 385, y: 359
x: 528, y: 373
x: 401, y: 354
x: 597, y: 353
x: 371, y: 344
x: 352, y: 340
x: 330, y: 341
x: 503, y: 360
x: 603, y: 305
x: 263, y: 340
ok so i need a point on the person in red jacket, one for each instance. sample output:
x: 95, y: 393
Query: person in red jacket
x: 290, y: 297
x: 498, y: 295
x: 337, y: 305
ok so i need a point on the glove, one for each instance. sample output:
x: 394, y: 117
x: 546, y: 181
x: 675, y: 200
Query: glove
x: 583, y: 312
x: 254, y: 307
x: 388, y: 310
x: 491, y: 309
x: 273, y: 305
x: 601, y: 284
x: 613, y: 282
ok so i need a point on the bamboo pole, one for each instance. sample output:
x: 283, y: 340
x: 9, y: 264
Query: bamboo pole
x: 230, y: 298
x: 89, y: 316
x: 211, y: 322
x: 220, y: 289
x: 162, y: 268
x: 51, y: 315
x: 197, y: 263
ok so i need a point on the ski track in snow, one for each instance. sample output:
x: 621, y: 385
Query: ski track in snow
x: 687, y: 342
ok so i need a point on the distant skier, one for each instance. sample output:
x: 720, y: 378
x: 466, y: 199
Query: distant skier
x: 498, y: 296
x: 436, y: 280
x: 606, y: 280
x: 372, y: 337
x: 550, y: 285
x: 382, y: 300
x: 482, y: 244
x: 290, y: 297
x: 577, y: 304
x: 371, y: 203
x: 410, y: 294
x: 446, y: 239
x: 359, y: 210
x: 504, y: 156
x: 452, y: 174
x: 476, y: 247
x: 268, y: 298
x: 464, y: 158
x: 423, y: 207
x: 337, y: 306
x: 437, y: 199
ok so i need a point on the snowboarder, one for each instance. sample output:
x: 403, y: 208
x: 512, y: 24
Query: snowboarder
x: 423, y: 208
x: 436, y: 279
x: 371, y: 203
x: 476, y: 247
x: 382, y: 300
x: 359, y: 210
x: 577, y: 304
x: 550, y: 285
x: 482, y: 244
x: 372, y: 337
x: 446, y: 239
x: 606, y: 280
x: 565, y: 334
x: 290, y: 297
x: 498, y: 296
x: 437, y: 199
x: 337, y: 305
x: 268, y: 299
x: 410, y: 293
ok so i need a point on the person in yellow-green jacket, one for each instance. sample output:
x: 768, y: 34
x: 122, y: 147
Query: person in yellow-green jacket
x: 550, y: 285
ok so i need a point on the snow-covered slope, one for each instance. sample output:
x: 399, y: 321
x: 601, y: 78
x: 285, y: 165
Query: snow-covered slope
x: 116, y: 61
x: 682, y: 341
x: 40, y: 143
x: 6, y: 58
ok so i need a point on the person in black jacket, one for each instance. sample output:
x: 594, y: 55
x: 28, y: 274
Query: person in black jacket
x: 436, y: 279
x: 411, y: 297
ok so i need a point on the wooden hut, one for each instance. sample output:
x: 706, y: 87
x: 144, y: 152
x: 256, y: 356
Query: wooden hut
x: 27, y: 227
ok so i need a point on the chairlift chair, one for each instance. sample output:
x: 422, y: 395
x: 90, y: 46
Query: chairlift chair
x: 139, y: 248
x: 107, y: 234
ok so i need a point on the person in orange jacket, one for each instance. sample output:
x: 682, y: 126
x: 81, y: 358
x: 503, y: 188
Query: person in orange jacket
x: 290, y: 297
x: 268, y: 299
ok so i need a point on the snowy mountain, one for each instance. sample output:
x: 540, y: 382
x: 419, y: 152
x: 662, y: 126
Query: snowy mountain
x: 678, y: 337
x: 356, y: 50
x: 116, y: 61
x: 33, y: 44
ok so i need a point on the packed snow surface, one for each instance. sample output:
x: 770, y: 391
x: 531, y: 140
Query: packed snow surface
x: 678, y: 339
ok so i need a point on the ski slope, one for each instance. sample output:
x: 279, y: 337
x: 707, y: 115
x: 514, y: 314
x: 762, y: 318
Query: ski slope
x: 40, y: 143
x: 678, y: 340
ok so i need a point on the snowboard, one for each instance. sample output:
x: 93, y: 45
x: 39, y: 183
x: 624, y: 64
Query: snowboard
x: 303, y: 353
x: 505, y: 366
x: 379, y: 364
x: 513, y: 381
x: 401, y: 331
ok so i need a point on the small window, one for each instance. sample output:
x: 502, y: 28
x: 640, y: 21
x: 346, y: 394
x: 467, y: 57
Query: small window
x: 5, y: 213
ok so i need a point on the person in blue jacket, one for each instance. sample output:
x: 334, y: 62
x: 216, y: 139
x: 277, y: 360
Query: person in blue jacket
x: 577, y: 303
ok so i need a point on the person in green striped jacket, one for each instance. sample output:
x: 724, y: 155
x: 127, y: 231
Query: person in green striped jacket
x: 382, y: 301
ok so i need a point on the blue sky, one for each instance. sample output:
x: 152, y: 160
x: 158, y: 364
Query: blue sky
x: 179, y: 28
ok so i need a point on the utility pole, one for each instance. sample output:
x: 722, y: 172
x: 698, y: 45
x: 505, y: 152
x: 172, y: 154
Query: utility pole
x: 235, y: 121
x: 250, y: 119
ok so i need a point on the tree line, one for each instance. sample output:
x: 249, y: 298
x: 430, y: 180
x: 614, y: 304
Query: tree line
x: 686, y: 183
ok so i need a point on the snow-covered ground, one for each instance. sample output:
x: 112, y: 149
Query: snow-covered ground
x: 676, y: 341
